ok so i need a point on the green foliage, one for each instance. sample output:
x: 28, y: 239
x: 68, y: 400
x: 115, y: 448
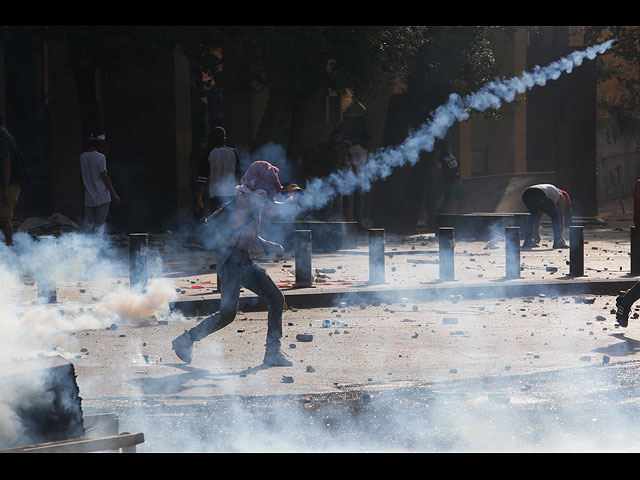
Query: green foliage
x: 624, y: 67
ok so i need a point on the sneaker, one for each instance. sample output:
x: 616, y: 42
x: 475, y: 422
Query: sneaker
x: 183, y: 346
x: 276, y: 358
x: 561, y: 244
x: 622, y: 314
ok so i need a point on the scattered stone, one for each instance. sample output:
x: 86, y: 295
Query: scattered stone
x: 304, y: 337
x: 450, y: 321
x: 286, y: 379
x: 310, y: 369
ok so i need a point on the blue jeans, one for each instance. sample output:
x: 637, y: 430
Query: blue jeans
x: 237, y: 270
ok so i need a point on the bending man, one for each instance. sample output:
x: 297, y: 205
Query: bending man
x: 549, y: 199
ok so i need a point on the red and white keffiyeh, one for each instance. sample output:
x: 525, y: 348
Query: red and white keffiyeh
x: 263, y: 176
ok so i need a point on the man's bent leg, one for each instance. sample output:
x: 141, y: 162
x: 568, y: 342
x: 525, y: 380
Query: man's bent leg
x: 7, y: 211
x: 231, y: 272
x: 624, y: 304
x: 257, y: 280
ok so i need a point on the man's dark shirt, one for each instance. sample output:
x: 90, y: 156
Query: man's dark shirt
x: 450, y: 167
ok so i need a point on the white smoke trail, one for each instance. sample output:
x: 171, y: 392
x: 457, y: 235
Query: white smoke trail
x: 457, y: 109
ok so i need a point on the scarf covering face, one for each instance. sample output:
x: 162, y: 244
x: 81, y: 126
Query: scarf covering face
x: 261, y: 177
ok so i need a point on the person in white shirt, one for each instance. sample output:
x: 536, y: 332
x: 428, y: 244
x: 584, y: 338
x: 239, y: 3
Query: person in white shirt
x: 98, y: 189
x: 540, y: 199
x: 218, y: 170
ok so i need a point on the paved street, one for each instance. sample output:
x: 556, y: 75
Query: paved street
x: 481, y: 363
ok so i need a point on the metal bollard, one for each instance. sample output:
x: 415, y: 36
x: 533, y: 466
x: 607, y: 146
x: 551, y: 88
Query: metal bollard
x: 576, y: 251
x: 302, y: 246
x: 376, y: 256
x: 138, y: 247
x: 446, y: 247
x: 635, y: 252
x: 512, y: 250
x: 46, y: 282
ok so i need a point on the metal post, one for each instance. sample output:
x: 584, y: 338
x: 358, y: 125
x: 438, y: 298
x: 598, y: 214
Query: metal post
x: 576, y: 251
x: 46, y: 282
x: 512, y: 250
x: 635, y: 252
x: 446, y: 246
x: 138, y: 247
x: 376, y: 255
x: 302, y: 246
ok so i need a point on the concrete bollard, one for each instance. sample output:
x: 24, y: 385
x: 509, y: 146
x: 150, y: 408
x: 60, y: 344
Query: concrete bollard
x: 302, y: 248
x: 218, y: 284
x: 46, y: 283
x: 635, y: 252
x: 376, y: 256
x: 512, y: 251
x: 138, y: 250
x: 576, y: 251
x: 446, y: 248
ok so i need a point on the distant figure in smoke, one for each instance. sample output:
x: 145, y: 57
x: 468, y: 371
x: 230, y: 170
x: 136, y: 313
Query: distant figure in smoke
x: 450, y: 167
x: 359, y: 155
x: 321, y: 161
x: 259, y: 188
x: 218, y: 169
x: 98, y: 189
x: 626, y: 301
x: 555, y: 202
x: 9, y: 182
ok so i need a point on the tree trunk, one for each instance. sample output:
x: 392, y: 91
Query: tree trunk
x: 271, y: 119
x: 85, y: 78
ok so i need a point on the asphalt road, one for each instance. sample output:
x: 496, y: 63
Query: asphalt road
x: 483, y: 374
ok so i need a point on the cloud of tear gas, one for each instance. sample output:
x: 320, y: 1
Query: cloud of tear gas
x: 31, y: 327
x: 457, y: 109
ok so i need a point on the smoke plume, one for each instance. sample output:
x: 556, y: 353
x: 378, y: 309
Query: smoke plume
x: 456, y: 109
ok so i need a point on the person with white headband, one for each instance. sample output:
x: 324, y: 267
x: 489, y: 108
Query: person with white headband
x: 98, y: 189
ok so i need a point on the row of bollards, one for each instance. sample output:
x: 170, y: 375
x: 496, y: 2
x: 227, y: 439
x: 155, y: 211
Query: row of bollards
x: 138, y: 254
x: 512, y: 252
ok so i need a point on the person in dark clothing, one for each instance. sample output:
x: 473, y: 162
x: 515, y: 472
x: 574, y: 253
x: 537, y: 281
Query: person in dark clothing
x: 9, y: 186
x: 450, y: 168
x: 258, y: 190
x: 320, y: 162
x: 547, y: 199
x: 626, y: 301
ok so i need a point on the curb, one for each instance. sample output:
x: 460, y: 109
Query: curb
x: 377, y: 294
